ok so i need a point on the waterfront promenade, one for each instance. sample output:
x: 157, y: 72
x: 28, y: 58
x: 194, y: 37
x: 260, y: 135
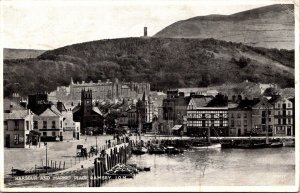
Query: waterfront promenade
x: 64, y: 151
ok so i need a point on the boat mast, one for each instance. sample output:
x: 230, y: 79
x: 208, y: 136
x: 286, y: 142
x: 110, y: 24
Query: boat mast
x: 267, y: 121
x: 208, y: 134
x: 140, y: 127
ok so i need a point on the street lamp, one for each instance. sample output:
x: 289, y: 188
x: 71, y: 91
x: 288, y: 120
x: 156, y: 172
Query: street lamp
x: 96, y: 146
x: 45, y: 143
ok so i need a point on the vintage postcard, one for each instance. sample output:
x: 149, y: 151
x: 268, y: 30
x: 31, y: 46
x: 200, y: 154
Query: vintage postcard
x: 163, y: 95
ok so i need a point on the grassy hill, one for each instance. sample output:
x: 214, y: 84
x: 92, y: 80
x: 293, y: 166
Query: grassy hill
x: 9, y: 53
x: 270, y: 26
x: 164, y: 62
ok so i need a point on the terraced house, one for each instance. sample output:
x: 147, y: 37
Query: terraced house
x: 18, y: 123
x: 284, y: 116
x: 240, y: 118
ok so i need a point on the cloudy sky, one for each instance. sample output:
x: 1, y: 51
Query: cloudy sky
x: 52, y: 24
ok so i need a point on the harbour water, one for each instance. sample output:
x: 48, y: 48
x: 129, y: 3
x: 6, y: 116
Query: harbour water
x: 214, y: 167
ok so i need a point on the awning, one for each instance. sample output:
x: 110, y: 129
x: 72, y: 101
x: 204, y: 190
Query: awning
x: 176, y: 127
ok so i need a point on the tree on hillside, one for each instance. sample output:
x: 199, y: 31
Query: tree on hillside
x: 242, y: 62
x: 271, y: 91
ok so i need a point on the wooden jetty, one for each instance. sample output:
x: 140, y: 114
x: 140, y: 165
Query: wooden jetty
x: 97, y: 175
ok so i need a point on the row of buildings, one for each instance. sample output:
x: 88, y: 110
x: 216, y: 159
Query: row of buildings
x: 102, y: 90
x: 237, y: 117
x: 26, y: 124
x: 38, y: 119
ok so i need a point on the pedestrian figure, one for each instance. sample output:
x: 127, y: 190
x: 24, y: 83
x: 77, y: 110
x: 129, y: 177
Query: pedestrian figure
x: 103, y: 153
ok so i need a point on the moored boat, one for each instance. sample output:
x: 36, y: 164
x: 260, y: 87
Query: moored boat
x: 172, y: 150
x: 139, y: 150
x: 276, y: 145
x: 226, y: 145
x: 156, y: 150
x: 251, y: 145
x: 205, y: 146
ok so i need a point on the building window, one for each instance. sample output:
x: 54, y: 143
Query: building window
x: 238, y: 123
x: 278, y: 105
x: 245, y: 123
x: 245, y: 115
x: 27, y: 125
x: 279, y: 121
x: 53, y: 125
x: 203, y: 115
x: 289, y: 112
x: 289, y: 104
x: 238, y: 115
x: 35, y: 125
x: 263, y: 113
x: 16, y: 139
x: 53, y: 134
x: 61, y: 123
x: 232, y: 123
x: 263, y: 121
x: 44, y: 124
x: 44, y: 133
x: 16, y: 125
x: 232, y: 116
x: 5, y: 125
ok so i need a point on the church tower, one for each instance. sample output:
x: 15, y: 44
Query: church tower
x: 86, y: 101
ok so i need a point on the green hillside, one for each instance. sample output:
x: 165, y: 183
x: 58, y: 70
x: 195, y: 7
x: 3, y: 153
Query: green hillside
x: 164, y: 62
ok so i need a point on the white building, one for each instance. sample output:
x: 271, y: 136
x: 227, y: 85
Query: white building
x: 49, y: 124
x: 283, y: 116
x: 17, y: 126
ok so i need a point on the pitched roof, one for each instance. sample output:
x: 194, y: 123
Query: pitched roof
x: 277, y: 98
x: 55, y: 110
x: 263, y: 102
x: 133, y: 109
x: 96, y: 110
x: 200, y: 102
x: 75, y: 109
x: 12, y: 105
x: 64, y: 107
x: 51, y: 112
x: 16, y: 114
x: 218, y: 101
x: 246, y: 104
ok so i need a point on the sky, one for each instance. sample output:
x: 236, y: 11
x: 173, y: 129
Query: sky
x: 40, y: 24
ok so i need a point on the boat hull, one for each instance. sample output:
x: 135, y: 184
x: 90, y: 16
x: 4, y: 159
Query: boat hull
x: 212, y: 146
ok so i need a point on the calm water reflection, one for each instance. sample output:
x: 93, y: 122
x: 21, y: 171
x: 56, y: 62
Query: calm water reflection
x: 223, y: 167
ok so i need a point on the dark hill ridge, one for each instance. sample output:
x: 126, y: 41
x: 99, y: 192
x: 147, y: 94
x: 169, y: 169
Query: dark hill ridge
x: 270, y: 26
x: 164, y: 62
